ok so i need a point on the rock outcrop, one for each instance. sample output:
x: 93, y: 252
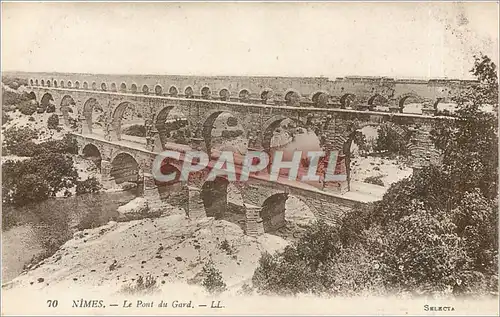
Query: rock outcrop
x: 137, y: 209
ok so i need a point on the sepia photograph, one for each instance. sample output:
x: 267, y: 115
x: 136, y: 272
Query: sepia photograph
x: 249, y: 158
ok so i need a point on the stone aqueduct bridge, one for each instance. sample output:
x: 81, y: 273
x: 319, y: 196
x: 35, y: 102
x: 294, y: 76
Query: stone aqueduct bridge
x: 124, y: 160
x: 308, y: 91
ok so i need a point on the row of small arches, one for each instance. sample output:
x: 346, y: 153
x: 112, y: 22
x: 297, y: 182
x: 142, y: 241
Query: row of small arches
x: 205, y: 92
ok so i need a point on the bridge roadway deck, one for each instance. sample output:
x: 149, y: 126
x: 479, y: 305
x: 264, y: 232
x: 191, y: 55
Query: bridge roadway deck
x: 360, y: 192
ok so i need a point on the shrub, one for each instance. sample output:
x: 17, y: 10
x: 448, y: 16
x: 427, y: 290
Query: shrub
x: 41, y: 108
x: 53, y: 121
x: 303, y: 266
x: 375, y: 180
x: 52, y: 170
x: 5, y: 117
x: 393, y: 139
x: 28, y: 107
x: 51, y: 108
x: 15, y: 140
x: 360, y: 140
x: 19, y: 141
x: 213, y: 281
x: 228, y: 248
x: 67, y: 145
x: 433, y: 232
x: 245, y: 290
x: 12, y: 98
x: 30, y: 188
x: 135, y: 130
x: 476, y: 222
x: 90, y: 185
x: 142, y: 286
x: 14, y: 82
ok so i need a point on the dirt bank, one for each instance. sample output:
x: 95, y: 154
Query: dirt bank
x: 171, y: 248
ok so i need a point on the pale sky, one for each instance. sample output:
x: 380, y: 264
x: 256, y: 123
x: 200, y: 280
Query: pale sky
x: 282, y: 39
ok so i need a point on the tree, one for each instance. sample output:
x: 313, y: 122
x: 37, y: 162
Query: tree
x: 213, y: 281
x: 51, y: 108
x: 28, y: 107
x: 393, y: 139
x: 16, y: 139
x: 470, y: 142
x: 435, y: 231
x: 90, y: 185
x: 30, y: 188
x: 5, y: 117
x: 53, y: 171
x: 53, y: 121
x: 135, y: 130
x: 439, y: 226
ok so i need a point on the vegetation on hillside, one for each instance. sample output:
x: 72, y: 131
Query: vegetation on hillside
x: 434, y: 232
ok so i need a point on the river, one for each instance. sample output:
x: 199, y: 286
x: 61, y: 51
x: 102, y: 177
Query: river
x: 38, y: 230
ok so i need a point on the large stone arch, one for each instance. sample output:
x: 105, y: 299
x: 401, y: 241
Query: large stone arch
x: 93, y: 153
x: 347, y: 137
x: 169, y: 166
x: 287, y: 135
x: 347, y: 100
x: 275, y: 206
x: 408, y: 96
x: 66, y: 103
x: 46, y: 103
x: 88, y: 110
x: 274, y: 123
x: 46, y: 99
x: 214, y: 197
x: 116, y: 119
x: 268, y: 128
x: 376, y: 97
x: 32, y: 95
x: 272, y: 212
x: 124, y: 168
x: 320, y: 98
x: 223, y: 131
x: 174, y: 192
x: 176, y: 125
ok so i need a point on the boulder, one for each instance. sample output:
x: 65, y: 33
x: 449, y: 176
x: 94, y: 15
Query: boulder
x: 128, y: 185
x: 136, y: 209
